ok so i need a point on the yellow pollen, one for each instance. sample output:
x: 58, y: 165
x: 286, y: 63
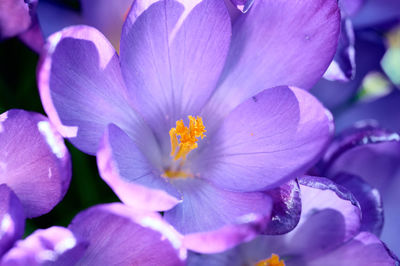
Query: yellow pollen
x: 271, y: 261
x: 188, y: 137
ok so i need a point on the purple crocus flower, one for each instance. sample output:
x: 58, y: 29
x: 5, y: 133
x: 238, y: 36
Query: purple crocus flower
x: 109, y: 234
x: 328, y: 234
x: 371, y: 154
x: 34, y: 161
x: 18, y: 18
x: 197, y: 124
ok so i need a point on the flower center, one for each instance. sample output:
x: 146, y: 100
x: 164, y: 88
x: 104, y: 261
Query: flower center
x: 271, y: 261
x: 183, y: 140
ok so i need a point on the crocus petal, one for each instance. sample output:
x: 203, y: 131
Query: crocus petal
x: 15, y: 17
x: 269, y: 139
x: 53, y: 246
x: 243, y: 5
x: 205, y: 207
x: 364, y: 249
x: 369, y: 199
x: 350, y: 7
x: 34, y: 161
x: 118, y: 235
x: 131, y: 175
x: 172, y: 53
x: 82, y: 89
x: 33, y: 37
x: 286, y: 208
x: 369, y: 51
x: 343, y: 66
x: 12, y: 218
x: 375, y: 12
x: 107, y: 16
x: 330, y: 216
x: 280, y: 52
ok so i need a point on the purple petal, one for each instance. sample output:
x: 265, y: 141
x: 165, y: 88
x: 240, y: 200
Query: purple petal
x: 286, y: 208
x: 330, y: 216
x: 266, y: 141
x: 34, y: 161
x: 172, y: 53
x: 343, y: 65
x: 375, y: 12
x: 33, y: 37
x: 369, y: 199
x: 364, y: 249
x: 54, y: 17
x: 12, y: 219
x: 243, y: 5
x: 53, y: 246
x: 106, y: 16
x: 281, y: 52
x: 82, y: 89
x: 118, y: 235
x: 15, y: 17
x: 350, y: 7
x: 383, y: 111
x: 131, y: 175
x: 206, y: 208
x: 369, y: 52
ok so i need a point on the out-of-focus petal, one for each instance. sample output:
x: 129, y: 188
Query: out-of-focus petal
x: 364, y: 249
x: 369, y: 51
x: 350, y: 7
x: 172, y: 53
x: 15, y: 17
x: 369, y: 199
x: 131, y: 175
x: 206, y: 208
x: 34, y: 161
x: 107, y: 16
x: 271, y: 138
x: 375, y: 12
x: 12, y: 218
x: 53, y: 246
x: 82, y: 89
x: 276, y: 44
x: 53, y: 17
x: 118, y: 235
x: 286, y: 208
x: 343, y: 66
x: 33, y: 37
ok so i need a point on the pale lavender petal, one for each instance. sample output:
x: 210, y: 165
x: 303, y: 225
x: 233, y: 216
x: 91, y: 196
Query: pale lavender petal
x: 205, y: 207
x: 12, y: 219
x: 330, y: 216
x: 271, y: 138
x: 131, y: 175
x: 82, y: 89
x: 172, y: 53
x: 34, y: 161
x: 364, y: 249
x: 119, y: 235
x: 277, y: 43
x: 107, y: 16
x: 286, y: 208
x: 53, y: 246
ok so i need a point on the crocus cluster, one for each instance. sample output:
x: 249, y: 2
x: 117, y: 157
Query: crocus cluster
x: 199, y: 115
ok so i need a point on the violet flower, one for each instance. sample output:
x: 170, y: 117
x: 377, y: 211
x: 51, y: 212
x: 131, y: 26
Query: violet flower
x: 108, y: 234
x: 327, y: 234
x: 372, y: 154
x: 244, y: 134
x: 34, y: 161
